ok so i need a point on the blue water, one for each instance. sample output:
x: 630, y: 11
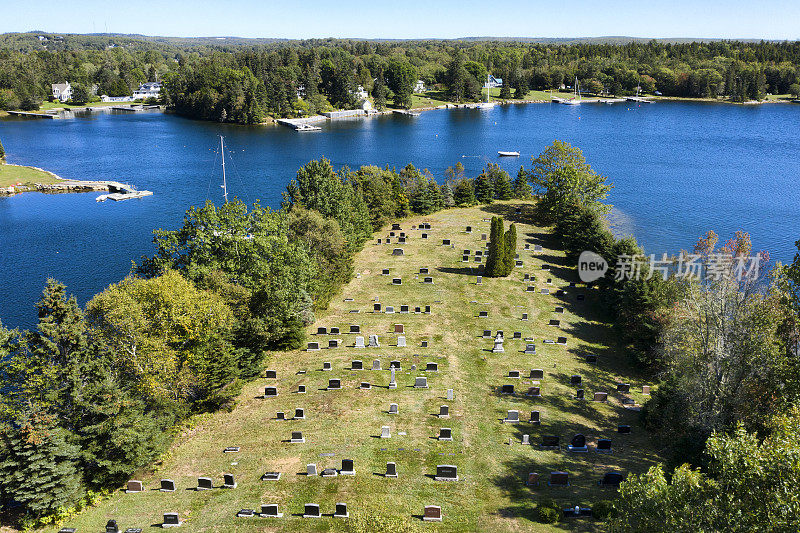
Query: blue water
x: 679, y: 169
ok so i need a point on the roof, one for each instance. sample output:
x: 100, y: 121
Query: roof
x: 60, y: 86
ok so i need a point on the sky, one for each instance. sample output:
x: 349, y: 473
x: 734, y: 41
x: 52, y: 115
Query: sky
x: 410, y: 19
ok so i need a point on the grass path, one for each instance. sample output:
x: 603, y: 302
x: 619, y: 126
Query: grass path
x: 345, y: 424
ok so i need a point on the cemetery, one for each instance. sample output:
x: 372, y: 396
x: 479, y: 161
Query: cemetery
x: 443, y: 400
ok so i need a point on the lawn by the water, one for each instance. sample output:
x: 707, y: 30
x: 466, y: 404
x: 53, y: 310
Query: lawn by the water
x: 20, y: 175
x: 490, y: 494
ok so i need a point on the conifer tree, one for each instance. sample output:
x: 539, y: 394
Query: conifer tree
x: 501, y: 183
x: 2, y: 154
x: 379, y: 91
x: 447, y: 194
x: 497, y: 250
x: 522, y: 189
x: 484, y: 192
x: 464, y: 194
x: 510, y: 250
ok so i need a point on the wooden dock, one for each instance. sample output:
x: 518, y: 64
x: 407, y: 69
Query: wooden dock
x: 639, y: 99
x: 29, y: 114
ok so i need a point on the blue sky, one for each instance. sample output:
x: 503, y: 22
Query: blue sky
x: 768, y: 19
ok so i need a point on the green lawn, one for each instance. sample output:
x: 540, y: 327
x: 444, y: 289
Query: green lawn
x: 491, y: 494
x: 58, y: 105
x: 17, y: 174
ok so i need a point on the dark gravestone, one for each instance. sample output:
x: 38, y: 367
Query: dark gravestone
x: 612, y: 479
x: 397, y: 281
x: 326, y: 366
x: 271, y: 476
x: 487, y: 333
x: 537, y: 373
x: 534, y: 391
x: 446, y: 242
x: 270, y: 511
x: 334, y: 384
x: 270, y: 392
x: 347, y: 468
x: 404, y: 309
x: 341, y: 511
x: 513, y: 373
x: 297, y: 437
x: 134, y: 486
x: 575, y: 380
x: 280, y: 415
x: 333, y: 343
x: 334, y: 331
x: 432, y: 367
x: 624, y: 429
x: 355, y: 328
x: 604, y: 445
x: 395, y: 365
x: 376, y: 308
x: 554, y: 322
x: 623, y: 387
x: 311, y: 510
x: 445, y: 434
x: 517, y: 334
x: 204, y: 483
x: 550, y: 441
x: 167, y: 485
x: 357, y: 365
x: 391, y: 470
x: 111, y: 527
x: 578, y: 441
x: 427, y: 309
x: 446, y: 473
x: 322, y: 331
x: 313, y: 346
x: 580, y: 394
x: 423, y: 270
x: 246, y: 513
x: 559, y: 479
x: 272, y: 374
x: 561, y: 340
x: 171, y: 520
x: 507, y: 389
x: 535, y: 417
x: 228, y: 482
x: 299, y: 413
x: 432, y: 513
x: 385, y: 272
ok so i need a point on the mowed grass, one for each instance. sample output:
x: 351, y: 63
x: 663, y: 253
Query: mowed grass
x: 490, y: 494
x: 18, y: 174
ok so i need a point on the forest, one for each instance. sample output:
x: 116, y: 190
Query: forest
x: 247, y: 82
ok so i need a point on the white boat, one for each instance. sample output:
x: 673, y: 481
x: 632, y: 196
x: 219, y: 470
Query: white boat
x: 576, y: 99
x: 487, y: 104
x: 508, y: 154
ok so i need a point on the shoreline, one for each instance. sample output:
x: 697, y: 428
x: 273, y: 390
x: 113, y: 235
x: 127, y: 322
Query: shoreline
x: 60, y: 186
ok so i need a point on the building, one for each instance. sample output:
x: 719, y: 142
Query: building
x: 62, y: 91
x: 419, y: 87
x: 495, y: 82
x: 151, y: 89
x: 361, y: 93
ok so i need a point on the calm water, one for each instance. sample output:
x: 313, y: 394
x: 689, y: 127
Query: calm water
x: 678, y: 169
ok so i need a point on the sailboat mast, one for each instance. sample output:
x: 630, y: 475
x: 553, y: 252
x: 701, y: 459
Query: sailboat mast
x: 224, y: 180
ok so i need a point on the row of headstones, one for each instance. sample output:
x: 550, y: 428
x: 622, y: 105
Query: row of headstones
x: 535, y: 419
x: 561, y: 479
x: 432, y: 513
x: 404, y: 309
x: 170, y: 520
x: 373, y: 341
x: 168, y: 485
x: 420, y: 382
x: 535, y: 392
x: 444, y: 410
x: 575, y: 379
x: 445, y: 434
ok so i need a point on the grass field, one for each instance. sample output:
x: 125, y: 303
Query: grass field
x: 14, y: 174
x: 490, y: 494
x: 58, y: 105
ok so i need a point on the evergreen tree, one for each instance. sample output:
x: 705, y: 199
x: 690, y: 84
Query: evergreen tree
x: 464, y: 194
x: 484, y: 192
x: 379, y: 91
x: 521, y: 87
x: 505, y: 90
x: 447, y: 194
x: 497, y: 250
x: 510, y: 245
x: 2, y: 153
x: 522, y: 189
x: 37, y: 466
x: 501, y: 182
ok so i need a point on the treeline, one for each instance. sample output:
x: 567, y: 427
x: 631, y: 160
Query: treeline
x: 722, y: 347
x: 244, y: 83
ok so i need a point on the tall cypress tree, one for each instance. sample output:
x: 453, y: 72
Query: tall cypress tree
x: 497, y: 250
x: 509, y: 250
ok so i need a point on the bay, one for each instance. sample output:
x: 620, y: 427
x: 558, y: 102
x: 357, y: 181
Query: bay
x: 679, y: 169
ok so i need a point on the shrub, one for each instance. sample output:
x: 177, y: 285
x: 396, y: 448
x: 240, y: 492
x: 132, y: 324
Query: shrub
x: 548, y: 512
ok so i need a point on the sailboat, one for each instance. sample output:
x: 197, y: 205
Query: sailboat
x: 224, y: 187
x: 576, y: 99
x: 487, y: 104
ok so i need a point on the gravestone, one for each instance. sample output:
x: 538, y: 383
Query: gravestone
x: 575, y: 379
x: 404, y: 309
x: 280, y: 415
x: 427, y: 309
x: 385, y: 272
x: 465, y: 258
x: 444, y: 411
x: 533, y: 479
x: 445, y: 242
x: 111, y: 527
x: 623, y: 387
x: 517, y: 335
x: 347, y: 468
x: 446, y: 473
x: 445, y: 434
x: 379, y: 241
x: 322, y: 331
x: 355, y: 328
x: 537, y: 248
x: 392, y: 381
x: 167, y: 485
x: 376, y: 308
x: 612, y: 479
x: 389, y: 310
x: 424, y: 235
x: 600, y: 396
x: 624, y: 429
x: 524, y: 316
x: 231, y: 449
x: 537, y: 373
x: 559, y: 309
x: 393, y: 409
x: 483, y: 314
x: 171, y: 520
x: 270, y: 392
x: 645, y: 389
x: 399, y: 328
x: 299, y: 413
x: 360, y: 342
x: 312, y: 346
x: 513, y: 374
x: 270, y: 511
x: 432, y: 367
x: 329, y: 472
x: 479, y: 253
x: 333, y: 343
x: 386, y: 432
x: 469, y: 229
x: 526, y: 439
x: 449, y: 394
x: 483, y: 236
x: 395, y: 364
x: 421, y: 382
x: 529, y: 349
x: 550, y: 441
x: 396, y: 226
x: 427, y: 280
x: 376, y: 364
x: 603, y: 446
x: 507, y: 389
x: 271, y: 476
x: 534, y: 417
x: 297, y: 437
x: 580, y: 394
x: 561, y: 340
x: 519, y: 263
x: 334, y: 384
x: 423, y: 270
x: 204, y: 483
x: 559, y: 479
x: 334, y: 331
x: 341, y: 511
x: 401, y: 341
x: 134, y: 486
x: 432, y: 513
x: 311, y: 510
x: 578, y: 444
x: 487, y: 333
x: 391, y: 470
x: 365, y: 385
x: 535, y: 391
x: 512, y: 417
x: 311, y: 469
x: 498, y: 344
x: 326, y: 366
x: 590, y: 358
x: 424, y: 344
x: 554, y: 322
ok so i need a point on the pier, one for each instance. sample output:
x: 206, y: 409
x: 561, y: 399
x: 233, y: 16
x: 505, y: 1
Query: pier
x: 29, y: 114
x: 639, y: 99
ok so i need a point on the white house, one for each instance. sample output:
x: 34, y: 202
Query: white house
x: 495, y: 82
x: 62, y: 91
x: 151, y: 89
x: 419, y: 87
x: 361, y: 93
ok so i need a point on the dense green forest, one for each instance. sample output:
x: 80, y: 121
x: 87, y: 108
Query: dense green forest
x: 245, y: 81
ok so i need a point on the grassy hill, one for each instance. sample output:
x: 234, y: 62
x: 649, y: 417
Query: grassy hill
x: 490, y: 494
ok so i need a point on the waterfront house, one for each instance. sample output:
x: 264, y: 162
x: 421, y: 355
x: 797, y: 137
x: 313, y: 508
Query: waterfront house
x: 495, y: 82
x: 151, y: 89
x: 361, y: 93
x: 419, y: 87
x: 62, y: 91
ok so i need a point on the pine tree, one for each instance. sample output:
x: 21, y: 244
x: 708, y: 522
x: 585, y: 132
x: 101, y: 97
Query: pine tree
x: 2, y: 154
x: 500, y: 182
x: 447, y: 194
x: 496, y: 254
x: 505, y: 90
x: 510, y: 250
x: 484, y: 192
x: 464, y: 194
x: 522, y: 189
x: 379, y: 91
x: 37, y: 466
